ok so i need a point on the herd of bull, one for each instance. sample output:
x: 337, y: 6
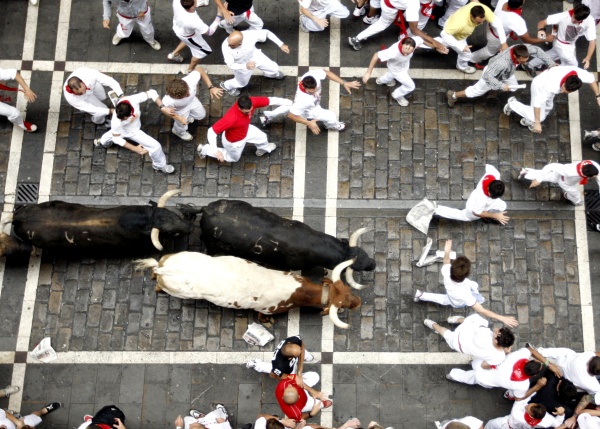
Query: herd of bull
x: 246, y: 239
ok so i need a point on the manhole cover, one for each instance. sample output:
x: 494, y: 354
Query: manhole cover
x: 27, y: 193
x: 592, y: 209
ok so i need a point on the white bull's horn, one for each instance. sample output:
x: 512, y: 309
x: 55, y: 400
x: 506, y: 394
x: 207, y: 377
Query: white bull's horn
x: 155, y: 240
x: 354, y: 237
x: 163, y: 200
x: 333, y: 315
x: 350, y: 279
x: 335, y: 275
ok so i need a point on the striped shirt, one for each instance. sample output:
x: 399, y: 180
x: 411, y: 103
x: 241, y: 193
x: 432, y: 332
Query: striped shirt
x: 502, y: 66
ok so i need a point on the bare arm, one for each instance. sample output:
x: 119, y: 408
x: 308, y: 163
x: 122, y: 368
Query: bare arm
x: 372, y: 64
x: 213, y: 90
x: 319, y: 21
x: 312, y: 125
x: 590, y: 52
x: 29, y: 94
x: 507, y: 320
x: 541, y: 383
x: 447, y: 251
x: 500, y: 217
x: 430, y: 41
x: 18, y: 423
x: 347, y: 85
x: 227, y: 15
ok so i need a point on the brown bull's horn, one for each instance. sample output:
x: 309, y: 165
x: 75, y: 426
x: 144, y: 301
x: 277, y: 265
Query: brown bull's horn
x: 333, y: 315
x: 154, y: 238
x: 163, y: 200
x: 335, y: 275
x: 355, y: 235
x: 350, y: 279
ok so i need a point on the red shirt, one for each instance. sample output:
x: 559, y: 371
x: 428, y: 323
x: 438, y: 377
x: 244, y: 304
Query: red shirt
x: 292, y: 411
x: 235, y: 123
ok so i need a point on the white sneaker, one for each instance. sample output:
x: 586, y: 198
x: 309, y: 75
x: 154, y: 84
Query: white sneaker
x: 339, y: 127
x: 417, y: 296
x: 308, y: 357
x: 359, y: 11
x: 199, y: 150
x: 116, y: 39
x: 251, y: 364
x: 429, y: 323
x: 33, y: 2
x: 590, y: 134
x: 378, y: 81
x: 369, y: 20
x: 155, y: 45
x: 525, y: 122
x: 98, y: 143
x: 402, y: 101
x: 176, y: 58
x: 468, y: 70
x: 168, y: 169
x: 270, y: 146
x: 185, y: 136
x: 231, y: 92
x: 302, y: 26
x: 201, y: 3
x: 454, y: 320
x: 507, y: 110
x: 8, y: 390
x: 264, y: 121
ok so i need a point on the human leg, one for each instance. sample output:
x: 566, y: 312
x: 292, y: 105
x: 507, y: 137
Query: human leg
x: 328, y: 117
x: 266, y: 65
x: 461, y: 376
x: 253, y: 20
x: 311, y: 25
x: 407, y: 85
x: 489, y: 50
x: 456, y: 214
x: 147, y: 29
x: 260, y: 366
x: 124, y: 29
x: 438, y: 298
x: 310, y: 378
x: 571, y: 193
x: 153, y: 147
x: 13, y: 114
x: 480, y: 88
x: 279, y: 111
x: 240, y: 80
x: 388, y: 15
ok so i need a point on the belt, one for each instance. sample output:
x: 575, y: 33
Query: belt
x: 563, y: 42
x: 133, y: 17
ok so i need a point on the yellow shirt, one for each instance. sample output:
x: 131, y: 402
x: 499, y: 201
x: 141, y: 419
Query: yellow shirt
x: 460, y: 24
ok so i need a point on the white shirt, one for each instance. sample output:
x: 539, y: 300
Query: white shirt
x: 516, y: 419
x: 459, y: 294
x: 237, y: 58
x: 500, y: 377
x: 411, y: 8
x: 396, y: 60
x: 132, y: 123
x: 569, y: 173
x: 511, y: 21
x: 575, y: 367
x: 314, y: 5
x: 547, y: 84
x: 474, y: 337
x: 30, y: 419
x: 191, y: 80
x: 568, y: 31
x: 305, y: 102
x: 90, y: 78
x: 8, y: 74
x: 478, y: 202
x: 472, y: 422
x: 186, y: 24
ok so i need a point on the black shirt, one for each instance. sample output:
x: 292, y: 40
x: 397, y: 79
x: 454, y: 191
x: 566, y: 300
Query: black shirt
x: 239, y: 6
x: 282, y: 364
x: 548, y: 396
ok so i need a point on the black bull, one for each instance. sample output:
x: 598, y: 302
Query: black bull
x: 57, y: 225
x: 236, y: 228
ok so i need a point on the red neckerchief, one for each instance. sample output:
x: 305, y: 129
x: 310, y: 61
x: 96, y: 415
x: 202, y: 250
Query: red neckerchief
x: 531, y: 421
x: 518, y: 373
x: 427, y: 9
x: 568, y: 75
x: 571, y: 12
x: 400, y: 46
x: 400, y: 22
x: 132, y: 109
x: 8, y: 88
x: 301, y: 87
x: 513, y: 57
x: 103, y: 426
x: 70, y: 91
x: 584, y: 179
x: 486, y: 184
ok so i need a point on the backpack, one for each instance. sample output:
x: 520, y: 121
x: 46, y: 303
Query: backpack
x: 107, y: 415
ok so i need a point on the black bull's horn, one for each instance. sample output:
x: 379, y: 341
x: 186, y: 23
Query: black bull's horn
x: 161, y: 203
x: 349, y: 272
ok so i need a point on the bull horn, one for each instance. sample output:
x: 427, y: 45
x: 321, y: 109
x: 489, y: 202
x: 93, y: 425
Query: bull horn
x: 335, y: 275
x: 350, y: 279
x: 163, y: 200
x: 333, y: 315
x: 354, y: 237
x: 155, y: 240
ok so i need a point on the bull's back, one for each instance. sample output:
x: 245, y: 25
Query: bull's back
x: 237, y: 228
x: 226, y: 281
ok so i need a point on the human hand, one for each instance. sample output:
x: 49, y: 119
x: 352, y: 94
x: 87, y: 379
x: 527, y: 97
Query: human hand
x: 555, y: 369
x: 537, y: 128
x: 351, y: 85
x: 229, y: 17
x: 119, y: 424
x: 500, y: 217
x: 285, y: 48
x: 366, y: 77
x: 560, y: 411
x: 288, y: 423
x: 312, y: 125
x: 219, y: 156
x: 586, y: 63
x: 467, y: 48
x: 503, y: 47
x: 140, y: 150
x: 106, y: 23
x: 141, y: 15
x: 440, y: 48
x: 215, y: 92
x: 534, y: 184
x: 300, y: 424
x: 571, y: 422
x: 541, y: 382
x: 30, y: 95
x: 448, y: 246
x: 321, y: 396
x: 505, y: 88
x: 250, y: 65
x: 169, y: 111
x: 352, y: 423
x: 322, y: 22
x: 179, y: 422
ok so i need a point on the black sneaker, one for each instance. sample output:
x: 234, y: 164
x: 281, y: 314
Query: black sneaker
x: 52, y: 407
x: 247, y: 426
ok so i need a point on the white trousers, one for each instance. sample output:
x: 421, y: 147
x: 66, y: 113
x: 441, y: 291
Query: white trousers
x: 95, y: 98
x: 388, y: 15
x: 126, y: 25
x: 560, y: 51
x: 572, y: 191
x: 242, y: 77
x: 462, y: 376
x: 334, y: 8
x: 12, y: 113
x: 194, y: 110
x: 451, y: 7
x: 249, y: 17
x: 462, y: 62
x: 232, y: 152
x: 151, y: 145
x: 489, y: 50
x: 587, y: 421
x: 481, y: 87
x: 197, y: 45
x: 498, y: 423
x: 467, y: 215
x: 526, y: 111
x: 407, y: 85
x: 280, y: 111
x: 328, y: 117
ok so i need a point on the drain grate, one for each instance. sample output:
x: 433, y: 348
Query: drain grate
x: 592, y: 209
x: 27, y: 193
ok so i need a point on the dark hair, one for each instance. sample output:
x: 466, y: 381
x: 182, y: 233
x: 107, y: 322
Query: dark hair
x: 273, y: 423
x: 496, y: 189
x: 572, y: 84
x: 477, y: 12
x: 187, y: 3
x: 505, y: 337
x: 537, y: 411
x: 309, y: 82
x: 515, y: 4
x: 594, y: 365
x: 521, y: 51
x: 244, y: 102
x: 456, y: 425
x: 74, y: 80
x: 460, y: 269
x: 566, y: 390
x: 589, y: 170
x: 533, y: 367
x: 581, y: 12
x: 123, y: 110
x: 409, y: 41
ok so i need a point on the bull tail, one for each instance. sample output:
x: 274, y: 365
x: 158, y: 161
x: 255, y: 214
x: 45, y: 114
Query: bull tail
x: 142, y: 264
x: 189, y: 211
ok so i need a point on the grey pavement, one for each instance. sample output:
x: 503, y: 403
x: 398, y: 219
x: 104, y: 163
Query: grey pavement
x: 389, y: 158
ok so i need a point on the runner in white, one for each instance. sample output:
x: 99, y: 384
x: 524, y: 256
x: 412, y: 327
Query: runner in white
x: 12, y: 113
x: 314, y: 13
x: 129, y: 13
x: 524, y: 415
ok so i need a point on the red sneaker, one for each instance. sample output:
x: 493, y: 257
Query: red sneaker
x: 327, y: 403
x: 479, y: 66
x: 29, y: 127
